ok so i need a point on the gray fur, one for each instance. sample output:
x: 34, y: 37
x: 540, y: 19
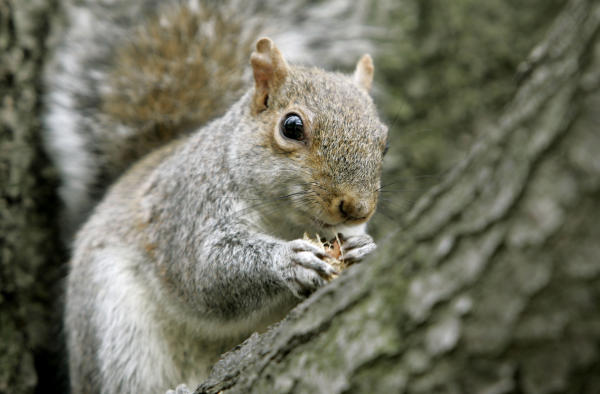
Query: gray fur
x: 198, y: 244
x: 330, y: 33
x: 184, y: 258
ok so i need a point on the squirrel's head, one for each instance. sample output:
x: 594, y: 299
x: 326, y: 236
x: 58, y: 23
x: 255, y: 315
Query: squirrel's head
x: 325, y: 132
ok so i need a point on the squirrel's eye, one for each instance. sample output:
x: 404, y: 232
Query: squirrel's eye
x: 292, y: 127
x: 387, y: 146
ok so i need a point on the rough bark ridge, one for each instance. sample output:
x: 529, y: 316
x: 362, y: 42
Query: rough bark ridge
x: 29, y: 252
x: 493, y: 283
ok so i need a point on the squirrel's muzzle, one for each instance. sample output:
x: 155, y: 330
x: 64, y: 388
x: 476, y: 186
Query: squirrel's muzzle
x: 351, y: 207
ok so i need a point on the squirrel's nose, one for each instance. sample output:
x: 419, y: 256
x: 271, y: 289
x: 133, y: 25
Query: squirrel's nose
x: 353, y: 208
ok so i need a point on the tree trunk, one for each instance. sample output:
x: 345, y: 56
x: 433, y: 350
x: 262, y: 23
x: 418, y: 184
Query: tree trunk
x: 492, y: 282
x: 29, y: 249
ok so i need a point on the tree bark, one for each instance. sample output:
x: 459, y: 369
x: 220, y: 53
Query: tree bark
x: 491, y: 284
x: 30, y: 254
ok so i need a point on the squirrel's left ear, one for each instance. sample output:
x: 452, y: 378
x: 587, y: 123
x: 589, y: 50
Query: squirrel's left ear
x: 270, y: 71
x: 363, y: 75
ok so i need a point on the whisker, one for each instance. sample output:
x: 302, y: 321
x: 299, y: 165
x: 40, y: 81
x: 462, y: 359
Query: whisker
x: 415, y: 189
x: 385, y: 215
x: 410, y: 179
x: 273, y: 201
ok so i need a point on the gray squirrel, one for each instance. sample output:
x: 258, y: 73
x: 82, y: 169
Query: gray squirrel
x: 199, y: 243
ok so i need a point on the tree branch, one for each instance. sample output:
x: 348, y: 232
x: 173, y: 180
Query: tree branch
x: 492, y: 283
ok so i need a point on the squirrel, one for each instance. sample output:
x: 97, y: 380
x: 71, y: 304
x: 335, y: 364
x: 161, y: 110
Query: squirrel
x: 199, y: 243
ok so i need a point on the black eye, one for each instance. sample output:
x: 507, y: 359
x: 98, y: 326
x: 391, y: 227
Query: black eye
x: 387, y: 146
x: 292, y: 127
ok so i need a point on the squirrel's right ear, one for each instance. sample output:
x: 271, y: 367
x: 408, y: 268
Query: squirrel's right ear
x: 363, y: 74
x: 270, y: 70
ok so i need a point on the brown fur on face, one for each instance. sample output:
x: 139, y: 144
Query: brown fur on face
x: 339, y: 160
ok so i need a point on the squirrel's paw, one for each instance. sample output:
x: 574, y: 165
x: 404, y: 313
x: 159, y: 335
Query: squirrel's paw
x: 181, y: 389
x: 308, y: 270
x: 356, y: 248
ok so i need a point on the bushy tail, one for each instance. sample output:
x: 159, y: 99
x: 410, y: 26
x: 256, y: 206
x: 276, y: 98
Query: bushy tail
x: 129, y: 76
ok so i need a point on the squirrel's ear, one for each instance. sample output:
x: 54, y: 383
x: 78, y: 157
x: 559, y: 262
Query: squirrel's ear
x: 363, y: 75
x: 270, y: 70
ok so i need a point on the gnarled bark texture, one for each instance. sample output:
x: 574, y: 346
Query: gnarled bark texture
x: 29, y: 252
x: 493, y: 283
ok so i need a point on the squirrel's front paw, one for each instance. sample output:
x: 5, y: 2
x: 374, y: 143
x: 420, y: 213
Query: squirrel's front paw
x: 357, y: 247
x: 307, y: 271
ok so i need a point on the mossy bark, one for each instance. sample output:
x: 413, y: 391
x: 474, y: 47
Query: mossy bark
x: 30, y: 253
x: 492, y: 284
x: 444, y: 69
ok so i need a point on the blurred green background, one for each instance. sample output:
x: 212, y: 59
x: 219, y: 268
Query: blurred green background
x: 445, y: 67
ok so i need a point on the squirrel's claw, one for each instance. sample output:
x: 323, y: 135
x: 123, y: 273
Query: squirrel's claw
x: 309, y: 260
x: 301, y: 245
x: 356, y: 248
x: 307, y: 271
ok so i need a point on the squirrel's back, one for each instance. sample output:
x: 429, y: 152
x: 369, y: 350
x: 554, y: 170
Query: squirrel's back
x: 129, y: 76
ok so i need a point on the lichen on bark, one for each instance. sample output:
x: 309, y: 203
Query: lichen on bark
x: 29, y: 251
x: 492, y: 285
